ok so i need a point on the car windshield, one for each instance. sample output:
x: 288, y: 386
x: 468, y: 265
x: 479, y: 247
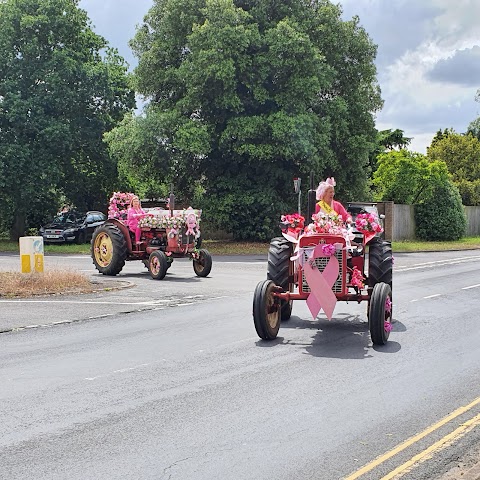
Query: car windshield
x: 65, y: 218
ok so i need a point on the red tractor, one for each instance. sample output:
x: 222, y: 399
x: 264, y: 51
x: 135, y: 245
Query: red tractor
x: 167, y: 234
x: 323, y: 268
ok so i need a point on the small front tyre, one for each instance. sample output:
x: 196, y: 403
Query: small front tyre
x: 266, y: 310
x: 380, y: 313
x: 157, y: 265
x: 202, y: 265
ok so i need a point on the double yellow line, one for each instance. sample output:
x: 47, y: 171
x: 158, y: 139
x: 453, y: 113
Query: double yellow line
x: 461, y: 430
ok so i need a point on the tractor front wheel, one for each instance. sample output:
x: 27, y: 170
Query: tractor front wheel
x: 109, y: 249
x: 202, y: 265
x: 266, y: 310
x: 157, y: 265
x: 380, y: 313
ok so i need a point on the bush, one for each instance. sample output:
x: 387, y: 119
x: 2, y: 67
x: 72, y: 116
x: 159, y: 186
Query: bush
x: 246, y: 214
x: 441, y: 217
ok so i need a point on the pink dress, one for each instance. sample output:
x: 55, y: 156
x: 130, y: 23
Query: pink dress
x: 339, y: 209
x: 133, y: 215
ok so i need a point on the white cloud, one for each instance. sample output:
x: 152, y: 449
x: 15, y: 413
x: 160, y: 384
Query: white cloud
x: 426, y: 83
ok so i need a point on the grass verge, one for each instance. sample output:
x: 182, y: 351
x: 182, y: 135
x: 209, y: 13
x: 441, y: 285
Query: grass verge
x: 16, y: 284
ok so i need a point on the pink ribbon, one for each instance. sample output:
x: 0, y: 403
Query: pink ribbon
x: 321, y: 283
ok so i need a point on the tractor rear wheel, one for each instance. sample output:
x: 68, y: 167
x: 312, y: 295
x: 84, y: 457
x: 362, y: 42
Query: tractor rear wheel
x: 202, y: 265
x: 109, y: 249
x: 266, y: 310
x: 380, y: 263
x: 279, y: 270
x: 157, y: 265
x: 380, y: 313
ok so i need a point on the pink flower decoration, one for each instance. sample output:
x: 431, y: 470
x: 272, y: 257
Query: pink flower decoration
x: 328, y: 249
x: 368, y: 222
x: 357, y: 278
x: 388, y: 326
x: 388, y: 305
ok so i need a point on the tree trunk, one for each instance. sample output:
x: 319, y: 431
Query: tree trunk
x: 18, y: 228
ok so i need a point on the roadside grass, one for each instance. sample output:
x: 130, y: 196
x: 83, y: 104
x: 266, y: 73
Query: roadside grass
x: 16, y: 284
x: 466, y: 243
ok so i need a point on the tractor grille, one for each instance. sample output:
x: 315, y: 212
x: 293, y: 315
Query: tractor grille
x: 321, y: 263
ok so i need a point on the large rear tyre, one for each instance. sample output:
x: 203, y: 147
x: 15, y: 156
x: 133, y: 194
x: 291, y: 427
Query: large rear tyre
x: 280, y: 270
x: 157, y: 265
x: 109, y: 249
x: 266, y: 310
x: 380, y: 263
x: 380, y: 313
x: 202, y: 265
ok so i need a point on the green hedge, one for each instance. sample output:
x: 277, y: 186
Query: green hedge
x: 442, y: 216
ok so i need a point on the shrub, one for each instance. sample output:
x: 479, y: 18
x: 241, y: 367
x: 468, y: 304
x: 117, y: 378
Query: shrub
x: 441, y: 216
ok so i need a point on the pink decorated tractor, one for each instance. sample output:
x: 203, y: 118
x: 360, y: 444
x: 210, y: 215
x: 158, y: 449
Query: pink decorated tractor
x: 165, y: 234
x: 325, y: 263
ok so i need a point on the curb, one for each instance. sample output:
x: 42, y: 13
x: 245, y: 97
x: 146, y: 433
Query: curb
x: 473, y: 473
x: 105, y: 287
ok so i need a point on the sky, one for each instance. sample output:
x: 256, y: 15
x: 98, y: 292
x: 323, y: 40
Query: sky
x: 428, y: 58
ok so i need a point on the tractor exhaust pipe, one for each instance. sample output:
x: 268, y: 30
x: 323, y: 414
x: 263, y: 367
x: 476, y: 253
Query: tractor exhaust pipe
x: 311, y: 201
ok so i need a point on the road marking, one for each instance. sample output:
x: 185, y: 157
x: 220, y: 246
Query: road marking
x: 471, y: 286
x: 432, y: 296
x: 91, y: 302
x: 412, y: 440
x: 437, y: 263
x: 427, y: 453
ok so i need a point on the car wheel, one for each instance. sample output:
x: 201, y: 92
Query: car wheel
x: 81, y: 238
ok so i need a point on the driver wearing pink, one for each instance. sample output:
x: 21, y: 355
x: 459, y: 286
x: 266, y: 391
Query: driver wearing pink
x: 326, y: 203
x: 134, y: 213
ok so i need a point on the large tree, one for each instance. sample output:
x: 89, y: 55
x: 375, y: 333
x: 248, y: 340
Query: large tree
x: 61, y: 88
x: 244, y: 95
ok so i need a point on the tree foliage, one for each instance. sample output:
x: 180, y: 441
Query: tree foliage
x: 461, y: 153
x: 387, y: 140
x: 61, y: 88
x: 244, y: 95
x: 407, y: 177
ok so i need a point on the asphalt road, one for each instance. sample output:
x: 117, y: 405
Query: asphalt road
x: 174, y: 384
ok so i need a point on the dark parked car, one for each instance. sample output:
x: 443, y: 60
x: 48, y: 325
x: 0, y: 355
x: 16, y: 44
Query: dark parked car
x: 72, y: 227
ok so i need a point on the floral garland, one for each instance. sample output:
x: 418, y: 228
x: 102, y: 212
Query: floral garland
x: 119, y: 203
x: 331, y: 223
x: 176, y: 222
x: 368, y: 222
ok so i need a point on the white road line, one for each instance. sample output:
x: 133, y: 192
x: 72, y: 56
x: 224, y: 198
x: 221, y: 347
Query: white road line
x: 471, y: 286
x: 433, y: 296
x: 151, y: 302
x: 438, y: 263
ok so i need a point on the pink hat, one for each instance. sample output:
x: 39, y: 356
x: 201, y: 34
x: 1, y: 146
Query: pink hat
x: 329, y: 182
